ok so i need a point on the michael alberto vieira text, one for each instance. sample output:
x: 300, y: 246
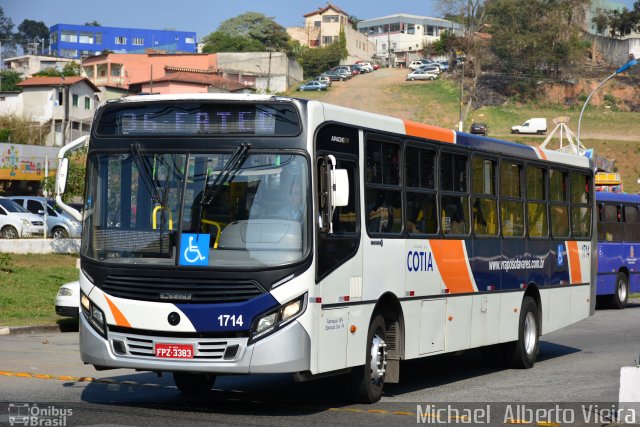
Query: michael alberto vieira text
x: 527, y: 414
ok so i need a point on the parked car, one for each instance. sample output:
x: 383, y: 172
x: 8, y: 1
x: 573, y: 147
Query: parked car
x: 376, y: 67
x: 334, y: 76
x: 416, y: 64
x: 68, y: 300
x: 323, y: 79
x: 366, y: 66
x: 431, y: 68
x: 444, y: 65
x: 536, y: 125
x: 16, y: 221
x: 421, y: 75
x: 313, y: 85
x: 479, y: 129
x: 59, y: 224
x: 343, y: 69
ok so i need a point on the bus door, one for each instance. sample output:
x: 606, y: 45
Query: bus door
x: 338, y: 254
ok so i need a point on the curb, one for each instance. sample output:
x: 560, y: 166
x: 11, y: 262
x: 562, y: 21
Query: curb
x: 25, y: 330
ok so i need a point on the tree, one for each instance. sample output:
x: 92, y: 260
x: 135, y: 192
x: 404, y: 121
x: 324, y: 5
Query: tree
x: 30, y: 32
x: 6, y: 35
x: 623, y: 22
x: 70, y: 69
x: 9, y: 79
x: 221, y: 42
x: 536, y: 39
x: 75, y: 176
x: 317, y: 60
x: 93, y: 23
x: 252, y: 29
x: 472, y: 15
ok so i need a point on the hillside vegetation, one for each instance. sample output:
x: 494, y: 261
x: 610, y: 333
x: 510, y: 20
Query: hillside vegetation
x: 613, y: 134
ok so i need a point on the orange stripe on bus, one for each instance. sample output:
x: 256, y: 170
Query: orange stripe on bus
x: 452, y: 264
x: 429, y: 132
x: 540, y: 153
x: 574, y: 261
x: 117, y: 314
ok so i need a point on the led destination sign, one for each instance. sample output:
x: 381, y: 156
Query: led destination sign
x: 200, y: 119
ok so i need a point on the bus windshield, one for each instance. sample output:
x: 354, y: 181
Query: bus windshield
x: 241, y: 210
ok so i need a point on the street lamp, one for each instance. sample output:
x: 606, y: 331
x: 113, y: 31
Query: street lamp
x: 622, y: 69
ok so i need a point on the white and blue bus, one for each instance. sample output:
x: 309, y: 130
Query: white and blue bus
x: 228, y: 234
x: 618, y: 241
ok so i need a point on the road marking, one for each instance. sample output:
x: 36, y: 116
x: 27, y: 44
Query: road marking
x: 111, y: 381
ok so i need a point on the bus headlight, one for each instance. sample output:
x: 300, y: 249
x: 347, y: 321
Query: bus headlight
x: 93, y: 314
x: 272, y: 321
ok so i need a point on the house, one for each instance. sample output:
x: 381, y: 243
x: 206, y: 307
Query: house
x: 263, y: 71
x: 323, y: 26
x: 189, y: 81
x: 65, y: 105
x: 79, y: 41
x: 400, y: 38
x: 28, y: 65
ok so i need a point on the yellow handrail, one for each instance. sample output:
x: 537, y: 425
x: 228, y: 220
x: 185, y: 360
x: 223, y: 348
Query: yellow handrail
x: 217, y: 225
x: 155, y: 212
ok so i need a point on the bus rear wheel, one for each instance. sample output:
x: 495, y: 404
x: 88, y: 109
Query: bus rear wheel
x: 522, y: 353
x: 367, y: 381
x: 190, y: 383
x: 621, y: 294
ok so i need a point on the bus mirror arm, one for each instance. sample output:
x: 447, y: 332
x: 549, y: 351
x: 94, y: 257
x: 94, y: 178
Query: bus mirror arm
x: 336, y: 190
x: 61, y: 175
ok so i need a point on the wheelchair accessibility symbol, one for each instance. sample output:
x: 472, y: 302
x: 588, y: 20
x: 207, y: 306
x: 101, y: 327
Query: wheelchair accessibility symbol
x: 194, y: 249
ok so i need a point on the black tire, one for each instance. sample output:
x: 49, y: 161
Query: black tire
x: 621, y: 293
x: 59, y: 233
x: 515, y: 131
x: 193, y: 384
x: 9, y: 232
x: 366, y: 385
x: 522, y: 354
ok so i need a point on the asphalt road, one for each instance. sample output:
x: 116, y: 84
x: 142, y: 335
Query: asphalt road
x: 579, y: 364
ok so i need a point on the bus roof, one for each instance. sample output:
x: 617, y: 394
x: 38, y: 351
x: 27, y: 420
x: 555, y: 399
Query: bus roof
x: 383, y: 123
x: 606, y: 196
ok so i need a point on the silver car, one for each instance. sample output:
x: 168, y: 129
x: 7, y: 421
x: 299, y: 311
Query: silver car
x: 59, y: 224
x: 17, y: 222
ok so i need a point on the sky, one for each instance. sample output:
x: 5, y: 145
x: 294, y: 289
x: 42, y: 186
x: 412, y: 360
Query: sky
x: 201, y: 16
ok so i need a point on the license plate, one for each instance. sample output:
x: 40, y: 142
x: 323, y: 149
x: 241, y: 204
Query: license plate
x: 174, y: 351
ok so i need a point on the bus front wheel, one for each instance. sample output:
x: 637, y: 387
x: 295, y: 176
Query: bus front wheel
x: 522, y: 353
x: 190, y: 383
x: 621, y: 294
x: 367, y: 381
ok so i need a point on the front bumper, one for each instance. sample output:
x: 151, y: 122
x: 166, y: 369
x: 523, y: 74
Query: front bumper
x: 286, y: 351
x: 33, y: 231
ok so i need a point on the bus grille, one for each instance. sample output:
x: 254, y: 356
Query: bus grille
x: 207, y: 349
x: 181, y: 290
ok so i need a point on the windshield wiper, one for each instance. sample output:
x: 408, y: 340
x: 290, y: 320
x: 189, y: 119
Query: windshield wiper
x: 144, y: 173
x: 228, y: 171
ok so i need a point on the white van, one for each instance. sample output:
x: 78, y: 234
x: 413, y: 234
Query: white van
x: 537, y: 125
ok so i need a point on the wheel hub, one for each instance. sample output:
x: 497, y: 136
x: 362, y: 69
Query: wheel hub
x: 622, y: 291
x: 530, y: 333
x: 378, y: 359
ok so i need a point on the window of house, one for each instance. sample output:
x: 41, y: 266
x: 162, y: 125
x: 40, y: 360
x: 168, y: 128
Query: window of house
x: 98, y: 38
x: 69, y: 53
x: 121, y: 40
x: 383, y: 195
x: 330, y: 18
x: 484, y: 200
x: 189, y: 40
x: 511, y: 202
x: 86, y: 38
x: 317, y: 24
x: 137, y: 41
x: 60, y: 97
x: 537, y: 220
x: 87, y: 103
x: 54, y: 38
x: 74, y: 100
x: 69, y: 36
x: 75, y: 125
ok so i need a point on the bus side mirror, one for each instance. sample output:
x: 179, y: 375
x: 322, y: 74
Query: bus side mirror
x: 61, y: 175
x: 339, y: 188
